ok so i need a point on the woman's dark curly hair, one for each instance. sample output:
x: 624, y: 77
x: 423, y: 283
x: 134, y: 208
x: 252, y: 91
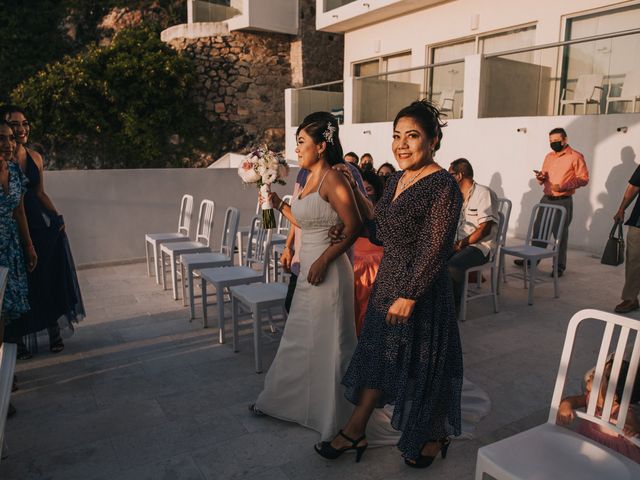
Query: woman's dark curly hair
x: 316, y: 125
x: 427, y: 115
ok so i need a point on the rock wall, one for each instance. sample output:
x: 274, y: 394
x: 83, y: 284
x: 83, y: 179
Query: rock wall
x: 241, y: 82
x: 242, y: 77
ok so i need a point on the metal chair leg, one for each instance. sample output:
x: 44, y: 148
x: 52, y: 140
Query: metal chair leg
x: 174, y: 277
x: 192, y: 296
x: 203, y: 289
x: 256, y: 339
x: 146, y: 254
x: 462, y: 315
x: 494, y: 287
x: 164, y: 274
x: 532, y: 280
x: 234, y: 322
x: 220, y: 300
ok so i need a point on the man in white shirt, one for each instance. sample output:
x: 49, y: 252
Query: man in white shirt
x: 477, y: 228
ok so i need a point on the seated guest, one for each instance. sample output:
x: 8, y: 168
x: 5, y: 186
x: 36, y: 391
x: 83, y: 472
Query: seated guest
x: 386, y: 169
x: 366, y: 162
x: 476, y: 232
x: 351, y: 158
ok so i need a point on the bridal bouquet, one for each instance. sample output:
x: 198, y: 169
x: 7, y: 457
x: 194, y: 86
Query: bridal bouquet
x: 264, y: 167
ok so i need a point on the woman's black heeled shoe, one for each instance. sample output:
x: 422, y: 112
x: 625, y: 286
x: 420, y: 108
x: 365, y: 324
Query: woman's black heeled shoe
x: 324, y: 449
x: 423, y: 461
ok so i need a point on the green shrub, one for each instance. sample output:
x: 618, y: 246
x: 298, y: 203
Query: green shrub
x: 126, y: 105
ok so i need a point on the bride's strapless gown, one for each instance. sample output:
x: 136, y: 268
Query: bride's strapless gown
x: 303, y: 383
x: 319, y: 338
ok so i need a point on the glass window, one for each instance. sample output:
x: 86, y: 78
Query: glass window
x: 612, y: 58
x: 333, y: 4
x: 366, y: 68
x: 389, y: 63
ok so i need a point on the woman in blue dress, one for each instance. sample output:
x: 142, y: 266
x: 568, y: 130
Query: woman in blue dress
x: 13, y: 232
x: 54, y: 293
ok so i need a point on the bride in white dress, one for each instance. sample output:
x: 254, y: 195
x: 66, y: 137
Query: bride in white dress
x: 303, y: 383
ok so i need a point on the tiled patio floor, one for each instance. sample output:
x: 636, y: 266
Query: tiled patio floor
x: 141, y: 393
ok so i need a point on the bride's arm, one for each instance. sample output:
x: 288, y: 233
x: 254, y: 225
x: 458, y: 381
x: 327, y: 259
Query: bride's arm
x: 336, y: 190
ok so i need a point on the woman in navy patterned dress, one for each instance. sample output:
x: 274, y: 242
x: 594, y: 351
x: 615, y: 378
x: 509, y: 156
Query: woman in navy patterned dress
x: 409, y: 352
x: 13, y: 228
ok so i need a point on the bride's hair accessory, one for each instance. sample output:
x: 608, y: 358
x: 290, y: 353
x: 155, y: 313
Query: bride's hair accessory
x: 328, y: 133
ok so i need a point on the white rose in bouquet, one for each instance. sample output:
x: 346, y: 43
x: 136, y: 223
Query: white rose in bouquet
x: 264, y: 167
x: 247, y: 171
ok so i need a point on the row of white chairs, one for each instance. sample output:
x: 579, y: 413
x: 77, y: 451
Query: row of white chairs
x: 187, y: 259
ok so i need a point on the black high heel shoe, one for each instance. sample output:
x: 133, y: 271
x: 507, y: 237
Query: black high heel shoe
x: 324, y: 449
x: 423, y: 461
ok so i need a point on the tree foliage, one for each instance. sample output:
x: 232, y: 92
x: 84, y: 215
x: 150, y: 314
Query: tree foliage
x: 126, y: 105
x: 38, y: 32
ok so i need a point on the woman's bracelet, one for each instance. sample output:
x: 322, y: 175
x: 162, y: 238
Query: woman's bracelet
x: 280, y: 205
x: 28, y: 246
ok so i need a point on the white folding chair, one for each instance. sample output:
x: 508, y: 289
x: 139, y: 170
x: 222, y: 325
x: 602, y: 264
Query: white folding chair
x: 630, y: 91
x: 154, y: 240
x: 191, y: 262
x: 550, y: 451
x: 243, y: 230
x: 447, y: 100
x: 222, y: 278
x: 173, y: 250
x: 8, y: 353
x: 493, y: 265
x: 256, y: 297
x: 588, y: 91
x: 545, y: 226
x: 504, y: 207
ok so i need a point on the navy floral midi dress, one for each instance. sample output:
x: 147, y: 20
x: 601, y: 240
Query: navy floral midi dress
x: 15, y: 302
x: 417, y: 366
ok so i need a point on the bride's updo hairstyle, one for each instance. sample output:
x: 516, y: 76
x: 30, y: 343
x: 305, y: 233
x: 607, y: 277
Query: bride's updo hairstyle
x: 323, y: 127
x: 427, y: 115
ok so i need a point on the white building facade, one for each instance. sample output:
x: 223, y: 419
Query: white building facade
x: 505, y: 73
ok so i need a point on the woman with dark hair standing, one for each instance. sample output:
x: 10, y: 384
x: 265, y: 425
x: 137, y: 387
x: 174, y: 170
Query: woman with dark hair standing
x: 303, y: 383
x: 409, y: 352
x: 13, y: 233
x: 54, y: 293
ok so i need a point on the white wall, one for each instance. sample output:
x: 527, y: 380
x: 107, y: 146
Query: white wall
x: 504, y: 159
x: 453, y: 20
x: 107, y: 212
x: 272, y: 16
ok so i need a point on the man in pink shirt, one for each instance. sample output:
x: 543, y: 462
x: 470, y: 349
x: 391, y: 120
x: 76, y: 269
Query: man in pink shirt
x: 563, y: 171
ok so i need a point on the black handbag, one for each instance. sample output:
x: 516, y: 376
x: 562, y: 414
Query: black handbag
x: 614, y: 250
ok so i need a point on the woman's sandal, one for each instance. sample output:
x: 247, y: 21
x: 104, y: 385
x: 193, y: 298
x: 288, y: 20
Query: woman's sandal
x: 256, y: 411
x: 324, y: 449
x: 424, y: 461
x: 57, y: 347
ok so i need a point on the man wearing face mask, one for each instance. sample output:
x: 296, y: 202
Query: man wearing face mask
x: 563, y: 171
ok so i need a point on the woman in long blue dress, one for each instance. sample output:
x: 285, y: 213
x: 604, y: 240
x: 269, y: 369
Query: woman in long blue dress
x: 409, y: 353
x: 54, y: 292
x: 13, y: 233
